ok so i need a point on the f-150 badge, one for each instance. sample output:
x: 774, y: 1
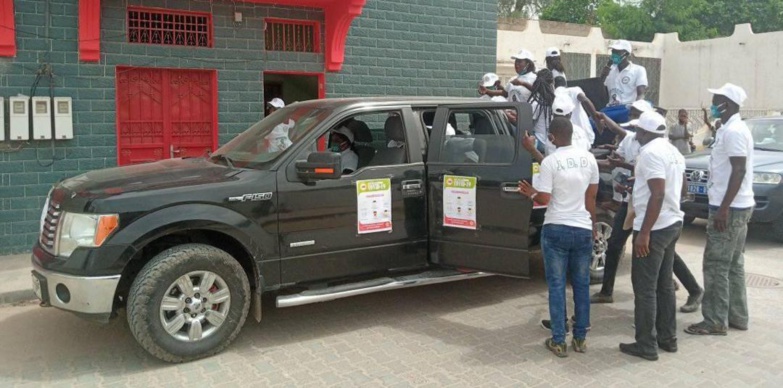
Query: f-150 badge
x: 251, y: 197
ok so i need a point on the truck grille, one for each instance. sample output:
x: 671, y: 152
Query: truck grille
x: 49, y: 229
x: 697, y: 176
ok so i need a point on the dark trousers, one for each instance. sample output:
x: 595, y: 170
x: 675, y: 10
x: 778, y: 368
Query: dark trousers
x: 685, y: 276
x: 654, y: 301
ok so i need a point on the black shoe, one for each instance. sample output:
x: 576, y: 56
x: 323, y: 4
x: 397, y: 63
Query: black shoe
x: 669, y: 346
x: 633, y: 350
x: 547, y: 324
x: 693, y: 303
x: 601, y: 298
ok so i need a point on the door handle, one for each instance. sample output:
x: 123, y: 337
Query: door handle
x: 510, y: 187
x: 411, y: 185
x: 173, y: 151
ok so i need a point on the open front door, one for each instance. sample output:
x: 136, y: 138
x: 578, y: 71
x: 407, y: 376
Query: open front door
x: 477, y: 218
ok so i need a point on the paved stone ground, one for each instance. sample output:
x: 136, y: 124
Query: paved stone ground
x: 482, y: 332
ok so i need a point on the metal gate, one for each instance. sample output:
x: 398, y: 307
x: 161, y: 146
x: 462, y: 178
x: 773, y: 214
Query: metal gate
x: 165, y: 113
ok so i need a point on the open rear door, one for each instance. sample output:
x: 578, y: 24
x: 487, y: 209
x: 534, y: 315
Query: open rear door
x: 477, y: 218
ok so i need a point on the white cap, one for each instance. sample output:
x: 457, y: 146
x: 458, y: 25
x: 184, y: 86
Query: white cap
x: 633, y: 123
x: 652, y: 122
x: 489, y: 79
x: 622, y: 45
x: 552, y: 52
x: 277, y: 103
x: 523, y: 54
x: 345, y: 131
x: 732, y: 92
x: 642, y: 106
x: 562, y: 105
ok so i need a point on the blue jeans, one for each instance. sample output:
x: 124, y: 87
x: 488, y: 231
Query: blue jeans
x: 567, y: 252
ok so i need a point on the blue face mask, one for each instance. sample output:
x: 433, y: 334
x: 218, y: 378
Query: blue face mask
x: 523, y: 72
x: 617, y: 58
x: 715, y: 111
x: 335, y: 148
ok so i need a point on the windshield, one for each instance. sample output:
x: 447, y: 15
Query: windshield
x: 267, y: 139
x: 767, y: 134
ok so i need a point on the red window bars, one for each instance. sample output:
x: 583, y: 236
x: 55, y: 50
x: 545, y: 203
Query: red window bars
x: 292, y: 35
x: 166, y: 27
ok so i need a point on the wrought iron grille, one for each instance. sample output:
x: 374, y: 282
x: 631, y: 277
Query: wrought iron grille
x: 291, y: 35
x: 173, y: 28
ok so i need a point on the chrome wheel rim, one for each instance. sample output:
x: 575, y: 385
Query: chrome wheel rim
x: 600, y: 245
x: 195, y: 306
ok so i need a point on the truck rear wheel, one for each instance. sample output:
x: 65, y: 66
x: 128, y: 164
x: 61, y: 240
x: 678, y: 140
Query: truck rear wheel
x: 188, y: 302
x: 605, y: 221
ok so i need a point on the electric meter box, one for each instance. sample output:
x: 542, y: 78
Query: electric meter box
x: 19, y: 118
x: 2, y: 119
x: 63, y: 118
x: 42, y: 118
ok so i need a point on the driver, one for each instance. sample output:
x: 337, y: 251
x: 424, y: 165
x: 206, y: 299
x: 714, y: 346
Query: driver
x: 341, y: 140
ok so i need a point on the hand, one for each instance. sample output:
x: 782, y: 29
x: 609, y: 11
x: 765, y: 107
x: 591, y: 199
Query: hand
x: 599, y: 117
x: 482, y: 90
x: 529, y: 142
x: 641, y: 245
x: 620, y: 188
x: 512, y: 116
x: 605, y: 71
x: 596, y: 231
x: 607, y: 147
x: 615, y: 160
x: 516, y: 81
x: 721, y: 219
x: 526, y: 189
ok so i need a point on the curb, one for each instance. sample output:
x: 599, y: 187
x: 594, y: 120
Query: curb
x: 13, y: 297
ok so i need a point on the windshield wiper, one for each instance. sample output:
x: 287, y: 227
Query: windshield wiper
x: 768, y: 149
x: 228, y: 160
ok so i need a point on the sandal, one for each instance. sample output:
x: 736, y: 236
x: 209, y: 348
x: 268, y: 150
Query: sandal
x: 704, y: 329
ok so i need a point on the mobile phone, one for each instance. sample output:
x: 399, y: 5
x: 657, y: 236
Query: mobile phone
x: 622, y: 179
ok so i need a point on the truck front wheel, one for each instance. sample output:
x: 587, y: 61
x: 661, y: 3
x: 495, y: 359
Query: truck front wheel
x: 188, y: 302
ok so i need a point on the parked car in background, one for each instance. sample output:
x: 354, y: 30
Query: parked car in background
x: 767, y: 176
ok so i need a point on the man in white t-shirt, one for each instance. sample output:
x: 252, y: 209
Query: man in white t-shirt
x: 583, y: 108
x: 625, y: 81
x: 567, y: 184
x: 277, y: 140
x: 563, y: 106
x: 657, y: 191
x: 730, y: 192
x: 490, y: 82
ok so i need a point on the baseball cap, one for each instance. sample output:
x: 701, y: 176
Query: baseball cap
x: 622, y: 45
x: 732, y: 92
x: 642, y: 106
x: 277, y: 103
x: 489, y: 79
x: 652, y: 122
x: 523, y: 54
x: 552, y: 52
x: 631, y: 124
x: 562, y: 105
x: 345, y: 131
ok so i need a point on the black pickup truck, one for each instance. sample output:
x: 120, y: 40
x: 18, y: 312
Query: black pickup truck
x: 188, y: 246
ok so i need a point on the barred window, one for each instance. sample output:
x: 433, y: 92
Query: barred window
x: 167, y: 27
x: 291, y: 35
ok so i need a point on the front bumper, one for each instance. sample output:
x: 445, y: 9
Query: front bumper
x: 88, y: 296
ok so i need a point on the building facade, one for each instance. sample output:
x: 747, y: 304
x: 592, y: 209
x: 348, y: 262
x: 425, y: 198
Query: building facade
x: 150, y: 80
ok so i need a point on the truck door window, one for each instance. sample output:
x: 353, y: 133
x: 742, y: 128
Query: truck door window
x: 479, y: 136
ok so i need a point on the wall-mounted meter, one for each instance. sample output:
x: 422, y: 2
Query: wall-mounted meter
x: 2, y: 119
x: 42, y: 118
x: 63, y: 118
x: 19, y: 117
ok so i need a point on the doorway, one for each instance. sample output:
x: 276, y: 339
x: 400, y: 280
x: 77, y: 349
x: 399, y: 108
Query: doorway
x: 292, y: 86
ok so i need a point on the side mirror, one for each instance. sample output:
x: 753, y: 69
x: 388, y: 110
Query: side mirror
x: 707, y: 141
x: 320, y: 165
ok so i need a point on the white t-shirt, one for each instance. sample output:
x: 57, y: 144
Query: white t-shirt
x: 520, y: 93
x: 659, y: 160
x: 579, y: 139
x: 350, y: 161
x: 278, y: 138
x: 622, y: 84
x: 732, y: 140
x: 558, y: 73
x: 493, y: 98
x: 628, y: 149
x: 579, y: 115
x: 566, y: 174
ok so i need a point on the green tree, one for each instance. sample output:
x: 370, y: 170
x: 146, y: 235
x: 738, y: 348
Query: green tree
x: 521, y: 8
x: 572, y: 11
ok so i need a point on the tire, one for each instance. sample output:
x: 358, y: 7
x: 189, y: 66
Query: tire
x: 217, y: 321
x: 597, y: 263
x: 688, y: 220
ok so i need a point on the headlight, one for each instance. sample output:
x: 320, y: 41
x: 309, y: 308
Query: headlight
x: 84, y: 230
x: 767, y: 178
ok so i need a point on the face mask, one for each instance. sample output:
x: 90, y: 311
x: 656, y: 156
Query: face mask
x: 335, y: 148
x: 716, y: 112
x: 617, y: 58
x: 523, y: 72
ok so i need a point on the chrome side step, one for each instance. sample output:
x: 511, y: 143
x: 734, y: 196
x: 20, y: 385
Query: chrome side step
x: 375, y: 285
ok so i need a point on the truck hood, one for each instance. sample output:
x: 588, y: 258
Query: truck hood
x: 150, y: 176
x: 763, y: 161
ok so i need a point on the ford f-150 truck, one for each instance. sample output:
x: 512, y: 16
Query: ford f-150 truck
x: 188, y: 246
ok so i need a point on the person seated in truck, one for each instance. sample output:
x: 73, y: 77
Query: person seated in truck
x: 625, y: 81
x: 341, y: 141
x: 490, y: 82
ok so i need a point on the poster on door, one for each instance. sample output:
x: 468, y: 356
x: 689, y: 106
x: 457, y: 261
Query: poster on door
x: 374, y: 205
x: 459, y: 202
x: 536, y: 171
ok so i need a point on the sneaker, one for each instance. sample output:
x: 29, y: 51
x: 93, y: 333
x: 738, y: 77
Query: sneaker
x: 693, y: 303
x: 601, y: 298
x: 558, y: 349
x: 669, y: 346
x: 579, y: 345
x: 547, y: 324
x: 633, y: 350
x: 703, y: 328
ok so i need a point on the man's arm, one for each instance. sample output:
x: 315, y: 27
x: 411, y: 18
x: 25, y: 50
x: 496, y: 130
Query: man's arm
x: 590, y: 194
x: 587, y: 104
x: 641, y: 90
x: 738, y: 171
x: 614, y: 127
x: 529, y: 142
x: 657, y: 193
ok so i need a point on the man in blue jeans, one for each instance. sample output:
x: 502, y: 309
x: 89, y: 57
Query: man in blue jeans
x: 567, y: 183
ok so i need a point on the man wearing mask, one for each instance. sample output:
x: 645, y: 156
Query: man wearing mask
x: 657, y: 191
x: 625, y: 81
x: 490, y: 82
x: 341, y: 140
x: 730, y: 192
x: 567, y: 184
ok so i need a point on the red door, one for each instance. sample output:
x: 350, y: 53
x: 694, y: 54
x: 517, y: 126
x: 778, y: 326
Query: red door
x: 165, y: 113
